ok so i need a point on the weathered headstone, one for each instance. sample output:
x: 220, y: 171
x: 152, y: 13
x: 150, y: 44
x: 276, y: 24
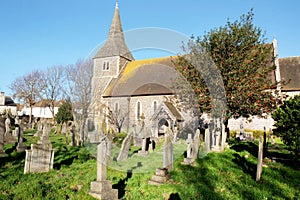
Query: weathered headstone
x: 196, y: 145
x: 21, y: 146
x: 223, y: 137
x: 175, y: 134
x: 189, y: 141
x: 2, y: 131
x: 102, y: 188
x: 8, y: 138
x: 123, y: 155
x: 39, y: 129
x: 64, y: 127
x: 207, y: 140
x: 144, y: 151
x: 41, y: 155
x: 168, y: 149
x: 259, y: 159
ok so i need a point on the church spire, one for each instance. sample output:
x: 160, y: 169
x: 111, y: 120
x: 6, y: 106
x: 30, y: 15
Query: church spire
x: 115, y: 44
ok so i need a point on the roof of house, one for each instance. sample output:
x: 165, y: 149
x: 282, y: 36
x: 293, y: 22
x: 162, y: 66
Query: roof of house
x: 290, y: 73
x: 144, y: 77
x: 46, y: 103
x: 9, y: 101
x: 115, y: 44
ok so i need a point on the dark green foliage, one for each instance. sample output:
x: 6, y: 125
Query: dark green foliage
x: 231, y: 64
x: 287, y: 123
x: 64, y: 113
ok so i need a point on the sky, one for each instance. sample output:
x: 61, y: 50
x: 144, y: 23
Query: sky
x: 37, y: 34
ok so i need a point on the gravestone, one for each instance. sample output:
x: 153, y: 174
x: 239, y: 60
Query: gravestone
x: 207, y: 140
x: 259, y: 159
x: 189, y: 141
x: 175, y: 134
x: 102, y: 188
x: 2, y: 131
x: 196, y: 145
x: 168, y: 149
x: 21, y: 146
x: 160, y: 177
x: 123, y: 155
x: 144, y: 151
x: 64, y: 128
x: 223, y: 138
x: 39, y: 129
x: 41, y: 155
x: 8, y: 138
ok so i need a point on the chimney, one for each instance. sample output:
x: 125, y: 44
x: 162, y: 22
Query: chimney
x: 2, y: 99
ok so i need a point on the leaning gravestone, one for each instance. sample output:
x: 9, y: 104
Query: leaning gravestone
x: 102, y: 188
x: 2, y: 131
x: 41, y: 155
x: 123, y: 155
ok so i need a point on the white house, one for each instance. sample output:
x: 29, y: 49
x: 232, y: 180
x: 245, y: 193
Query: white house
x: 7, y: 104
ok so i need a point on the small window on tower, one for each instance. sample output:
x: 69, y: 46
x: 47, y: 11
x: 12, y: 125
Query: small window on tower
x: 105, y: 66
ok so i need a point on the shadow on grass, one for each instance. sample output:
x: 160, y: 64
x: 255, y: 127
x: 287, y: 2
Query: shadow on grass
x: 194, y: 180
x: 121, y: 185
x: 251, y: 147
x: 247, y: 167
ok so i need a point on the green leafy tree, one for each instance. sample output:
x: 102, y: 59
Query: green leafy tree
x: 64, y: 113
x: 287, y: 123
x: 230, y: 64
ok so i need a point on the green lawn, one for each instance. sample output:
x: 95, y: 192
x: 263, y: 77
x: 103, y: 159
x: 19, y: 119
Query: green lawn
x: 226, y: 175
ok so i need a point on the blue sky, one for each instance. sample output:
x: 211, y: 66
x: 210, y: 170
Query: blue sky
x: 36, y: 34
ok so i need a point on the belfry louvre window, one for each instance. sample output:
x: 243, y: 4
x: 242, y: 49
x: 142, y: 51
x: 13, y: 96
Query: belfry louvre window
x: 105, y: 66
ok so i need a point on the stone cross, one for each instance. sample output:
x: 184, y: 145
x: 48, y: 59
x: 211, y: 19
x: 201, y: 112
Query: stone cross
x: 102, y: 188
x: 123, y: 155
x: 168, y: 149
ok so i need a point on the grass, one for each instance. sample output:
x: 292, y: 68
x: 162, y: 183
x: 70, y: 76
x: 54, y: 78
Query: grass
x: 226, y: 175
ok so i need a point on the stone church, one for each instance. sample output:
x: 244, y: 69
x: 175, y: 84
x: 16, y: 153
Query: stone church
x: 137, y: 96
x: 132, y: 95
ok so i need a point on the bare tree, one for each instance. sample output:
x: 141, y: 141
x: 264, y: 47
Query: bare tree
x: 27, y: 89
x: 52, y: 81
x: 78, y: 90
x: 117, y: 118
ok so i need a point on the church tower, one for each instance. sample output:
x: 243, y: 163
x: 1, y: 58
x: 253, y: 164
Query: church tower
x: 108, y: 62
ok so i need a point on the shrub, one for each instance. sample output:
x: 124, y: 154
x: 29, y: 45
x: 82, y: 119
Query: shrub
x: 287, y: 118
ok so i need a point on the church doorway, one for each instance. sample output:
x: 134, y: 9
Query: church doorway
x: 161, y: 124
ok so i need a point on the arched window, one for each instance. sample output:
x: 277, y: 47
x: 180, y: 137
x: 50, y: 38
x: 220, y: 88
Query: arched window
x: 154, y: 106
x: 116, y: 107
x: 138, y: 110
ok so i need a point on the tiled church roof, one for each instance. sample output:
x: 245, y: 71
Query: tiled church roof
x: 290, y: 73
x: 144, y: 77
x: 115, y: 44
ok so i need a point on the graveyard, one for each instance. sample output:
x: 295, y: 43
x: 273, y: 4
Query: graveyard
x: 225, y: 175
